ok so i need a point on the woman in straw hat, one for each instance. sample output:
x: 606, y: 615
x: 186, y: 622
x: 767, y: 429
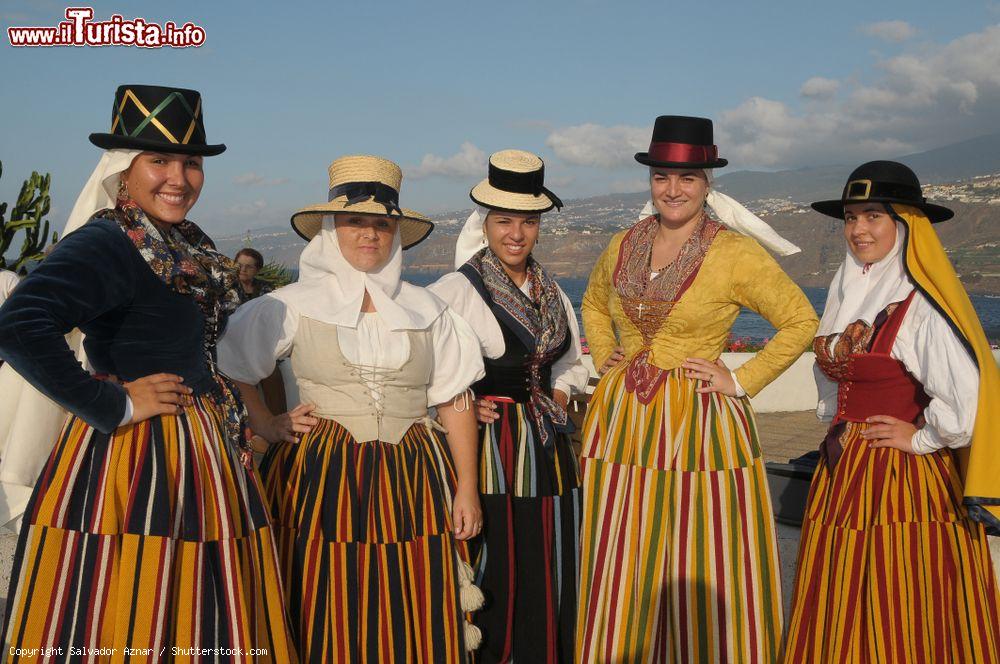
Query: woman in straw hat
x: 528, y: 476
x: 146, y: 528
x: 894, y: 564
x: 373, y: 504
x: 678, y: 554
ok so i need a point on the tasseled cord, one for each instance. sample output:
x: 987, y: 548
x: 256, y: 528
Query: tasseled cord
x: 472, y: 599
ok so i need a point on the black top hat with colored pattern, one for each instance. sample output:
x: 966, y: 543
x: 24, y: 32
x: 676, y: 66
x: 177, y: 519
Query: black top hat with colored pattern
x: 160, y: 119
x: 883, y: 182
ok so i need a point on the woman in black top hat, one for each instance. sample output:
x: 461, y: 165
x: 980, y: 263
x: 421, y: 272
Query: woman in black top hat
x: 146, y: 529
x: 528, y: 477
x: 678, y: 557
x: 893, y: 563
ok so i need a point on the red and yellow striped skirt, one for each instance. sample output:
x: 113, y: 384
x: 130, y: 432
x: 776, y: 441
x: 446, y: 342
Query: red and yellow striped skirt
x: 679, y: 561
x: 144, y: 545
x: 890, y: 567
x: 366, y: 544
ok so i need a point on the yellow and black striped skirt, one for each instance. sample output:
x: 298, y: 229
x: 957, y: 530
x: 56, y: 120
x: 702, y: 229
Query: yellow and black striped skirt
x: 366, y: 544
x: 146, y: 545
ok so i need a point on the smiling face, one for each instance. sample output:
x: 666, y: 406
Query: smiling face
x: 869, y: 230
x: 678, y: 194
x: 365, y: 240
x: 512, y: 236
x: 165, y: 186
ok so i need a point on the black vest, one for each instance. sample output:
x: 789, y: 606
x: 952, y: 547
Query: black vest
x: 510, y: 374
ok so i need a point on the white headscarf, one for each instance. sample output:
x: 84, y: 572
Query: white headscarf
x: 736, y: 217
x: 472, y: 238
x: 331, y: 290
x: 30, y: 421
x: 859, y: 295
x: 101, y: 190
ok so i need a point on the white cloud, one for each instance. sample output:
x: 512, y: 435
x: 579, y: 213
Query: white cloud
x: 890, y: 31
x: 629, y: 186
x: 252, y: 209
x: 468, y: 161
x: 559, y: 180
x: 597, y: 145
x: 916, y: 101
x: 819, y: 88
x: 256, y: 180
x: 927, y: 96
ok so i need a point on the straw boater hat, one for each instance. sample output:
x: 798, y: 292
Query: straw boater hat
x: 363, y: 184
x: 159, y: 119
x: 883, y: 182
x: 516, y: 183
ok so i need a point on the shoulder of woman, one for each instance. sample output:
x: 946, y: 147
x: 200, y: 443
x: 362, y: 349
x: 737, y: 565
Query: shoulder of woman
x: 450, y: 286
x: 422, y: 299
x: 615, y: 243
x: 734, y: 240
x: 100, y: 234
x: 735, y: 246
x: 287, y: 296
x: 617, y: 238
x: 922, y: 312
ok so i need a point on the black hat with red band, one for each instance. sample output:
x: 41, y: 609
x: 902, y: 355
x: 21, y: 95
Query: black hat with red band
x: 682, y: 141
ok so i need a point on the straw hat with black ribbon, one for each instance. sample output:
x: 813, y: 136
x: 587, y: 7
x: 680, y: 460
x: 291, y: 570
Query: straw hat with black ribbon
x: 515, y: 183
x: 362, y: 184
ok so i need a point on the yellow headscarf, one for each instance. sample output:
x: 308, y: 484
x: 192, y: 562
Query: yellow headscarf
x: 928, y: 266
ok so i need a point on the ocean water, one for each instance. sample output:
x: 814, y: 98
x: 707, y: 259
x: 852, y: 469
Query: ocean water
x: 750, y: 324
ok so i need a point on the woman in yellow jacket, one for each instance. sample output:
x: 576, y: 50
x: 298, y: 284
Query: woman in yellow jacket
x: 678, y: 554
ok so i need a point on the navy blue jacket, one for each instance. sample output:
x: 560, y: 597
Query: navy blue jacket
x: 135, y: 325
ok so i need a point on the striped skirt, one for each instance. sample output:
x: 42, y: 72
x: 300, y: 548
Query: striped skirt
x: 890, y: 568
x: 366, y: 543
x: 526, y: 560
x: 147, y: 543
x: 679, y: 561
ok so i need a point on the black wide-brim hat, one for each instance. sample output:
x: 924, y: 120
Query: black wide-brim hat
x: 159, y: 119
x: 682, y: 141
x: 883, y: 182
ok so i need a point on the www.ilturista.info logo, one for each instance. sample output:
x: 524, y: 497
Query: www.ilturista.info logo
x: 80, y: 30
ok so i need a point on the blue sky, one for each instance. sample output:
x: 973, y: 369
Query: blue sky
x: 437, y: 86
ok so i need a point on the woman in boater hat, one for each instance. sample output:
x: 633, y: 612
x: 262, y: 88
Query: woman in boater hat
x: 147, y: 528
x: 525, y: 560
x: 894, y: 564
x: 372, y: 502
x: 678, y: 556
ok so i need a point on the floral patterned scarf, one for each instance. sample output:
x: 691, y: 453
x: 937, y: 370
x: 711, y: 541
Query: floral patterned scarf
x: 542, y: 321
x: 186, y: 260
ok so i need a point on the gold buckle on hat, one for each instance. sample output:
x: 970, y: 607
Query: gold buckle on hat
x: 867, y: 184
